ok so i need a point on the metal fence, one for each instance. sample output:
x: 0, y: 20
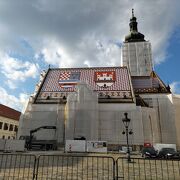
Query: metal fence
x: 17, y: 166
x: 76, y: 167
x: 68, y: 167
x: 65, y: 167
x: 146, y: 169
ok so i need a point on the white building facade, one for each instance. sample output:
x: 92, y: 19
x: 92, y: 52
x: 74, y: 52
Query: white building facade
x: 9, y: 122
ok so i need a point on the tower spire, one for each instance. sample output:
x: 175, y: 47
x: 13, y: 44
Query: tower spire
x: 133, y: 23
x: 134, y: 35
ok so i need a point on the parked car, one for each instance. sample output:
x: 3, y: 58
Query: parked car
x: 149, y: 152
x: 168, y: 153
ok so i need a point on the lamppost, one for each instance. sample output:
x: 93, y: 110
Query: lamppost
x: 126, y: 122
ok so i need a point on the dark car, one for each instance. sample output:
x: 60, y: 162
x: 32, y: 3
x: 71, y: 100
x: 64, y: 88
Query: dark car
x: 168, y: 153
x: 149, y: 152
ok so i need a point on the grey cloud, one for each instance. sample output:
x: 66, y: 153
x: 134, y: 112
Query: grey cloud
x: 77, y: 25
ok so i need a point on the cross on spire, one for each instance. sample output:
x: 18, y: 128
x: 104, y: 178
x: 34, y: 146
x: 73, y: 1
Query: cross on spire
x: 132, y: 12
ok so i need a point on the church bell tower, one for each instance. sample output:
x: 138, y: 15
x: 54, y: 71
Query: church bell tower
x: 136, y: 51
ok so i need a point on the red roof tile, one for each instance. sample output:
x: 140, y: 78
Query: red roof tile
x: 9, y: 112
x: 149, y: 84
x: 87, y: 75
x: 106, y: 81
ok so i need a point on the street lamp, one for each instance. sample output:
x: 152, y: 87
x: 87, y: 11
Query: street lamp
x: 126, y: 122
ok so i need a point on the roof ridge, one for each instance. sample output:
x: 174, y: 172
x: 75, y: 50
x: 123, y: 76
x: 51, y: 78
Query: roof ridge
x: 8, y: 112
x: 119, y: 67
x: 9, y: 108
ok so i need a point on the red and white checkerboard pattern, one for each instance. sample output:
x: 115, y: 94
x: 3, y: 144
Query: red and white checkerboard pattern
x: 122, y: 82
x: 64, y: 76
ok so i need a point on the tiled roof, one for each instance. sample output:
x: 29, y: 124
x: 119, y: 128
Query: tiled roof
x: 116, y: 83
x: 144, y: 82
x: 149, y: 84
x: 87, y: 76
x: 9, y: 112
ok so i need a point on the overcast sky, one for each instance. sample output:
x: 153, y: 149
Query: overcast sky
x: 80, y: 33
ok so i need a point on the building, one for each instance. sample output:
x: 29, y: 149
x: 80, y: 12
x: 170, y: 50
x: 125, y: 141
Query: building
x: 91, y: 102
x: 9, y: 122
x: 176, y: 104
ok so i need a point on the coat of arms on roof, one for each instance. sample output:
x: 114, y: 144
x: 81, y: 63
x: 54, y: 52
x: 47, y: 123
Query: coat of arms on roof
x: 69, y: 79
x: 105, y: 78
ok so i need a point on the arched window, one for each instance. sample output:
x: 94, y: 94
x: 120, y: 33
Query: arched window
x: 1, y: 123
x: 5, y: 126
x: 15, y: 128
x: 11, y: 127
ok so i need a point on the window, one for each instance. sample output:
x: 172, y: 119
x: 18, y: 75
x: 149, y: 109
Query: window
x: 8, y: 137
x: 11, y: 127
x: 15, y: 128
x: 1, y: 123
x: 3, y: 137
x: 5, y: 126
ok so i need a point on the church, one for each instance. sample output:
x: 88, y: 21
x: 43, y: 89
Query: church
x: 91, y: 102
